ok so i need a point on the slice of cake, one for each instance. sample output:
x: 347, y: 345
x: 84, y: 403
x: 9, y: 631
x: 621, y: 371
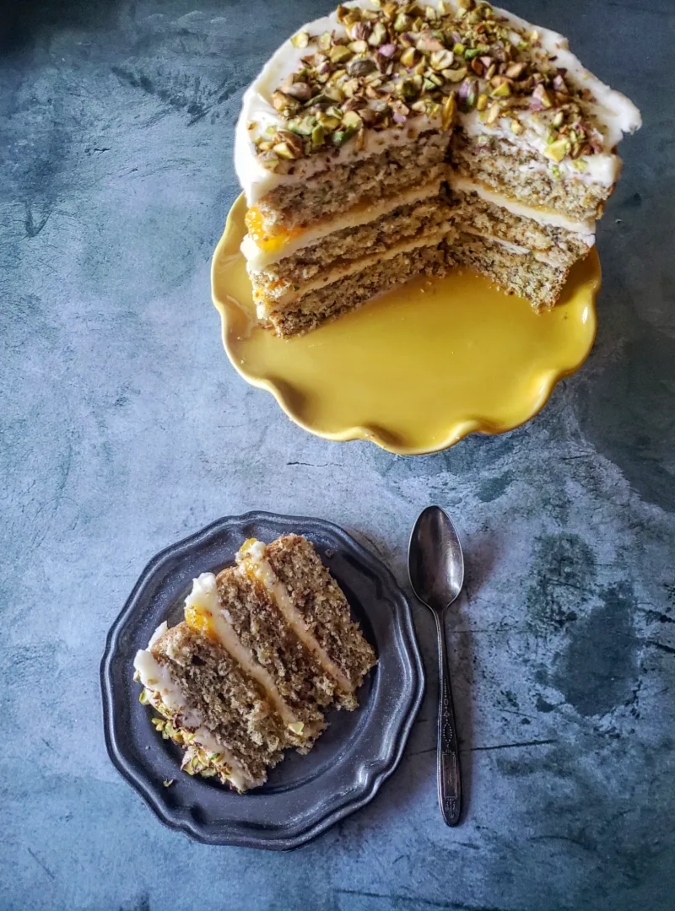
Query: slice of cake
x: 265, y: 648
x: 393, y: 139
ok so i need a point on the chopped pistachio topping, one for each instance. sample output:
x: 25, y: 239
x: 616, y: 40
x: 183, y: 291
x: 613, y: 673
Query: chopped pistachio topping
x: 387, y: 66
x: 300, y: 39
x: 557, y: 150
x: 196, y: 761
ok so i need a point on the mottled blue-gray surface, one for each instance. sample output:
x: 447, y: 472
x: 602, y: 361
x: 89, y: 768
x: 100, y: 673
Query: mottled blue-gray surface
x: 123, y: 428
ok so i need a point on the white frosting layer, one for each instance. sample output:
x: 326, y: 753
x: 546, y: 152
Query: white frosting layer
x: 204, y: 600
x: 254, y: 555
x: 614, y: 111
x: 258, y: 259
x: 547, y: 217
x: 204, y: 594
x: 158, y: 679
x: 328, y: 277
x: 514, y: 248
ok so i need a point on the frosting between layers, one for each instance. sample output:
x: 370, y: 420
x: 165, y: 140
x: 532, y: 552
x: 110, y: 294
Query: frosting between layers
x: 513, y: 248
x: 252, y: 557
x: 157, y: 679
x: 614, y: 111
x: 264, y: 307
x: 204, y: 613
x: 543, y: 216
x: 258, y: 259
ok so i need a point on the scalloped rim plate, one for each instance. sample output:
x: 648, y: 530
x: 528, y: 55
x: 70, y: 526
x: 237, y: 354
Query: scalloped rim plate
x: 487, y: 361
x: 304, y: 795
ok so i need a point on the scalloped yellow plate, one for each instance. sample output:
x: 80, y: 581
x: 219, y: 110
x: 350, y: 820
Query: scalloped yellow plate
x: 418, y: 368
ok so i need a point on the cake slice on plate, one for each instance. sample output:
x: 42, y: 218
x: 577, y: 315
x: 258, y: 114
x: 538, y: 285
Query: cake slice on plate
x: 265, y: 648
x: 315, y: 606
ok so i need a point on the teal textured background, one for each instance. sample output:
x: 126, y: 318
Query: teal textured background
x: 123, y: 428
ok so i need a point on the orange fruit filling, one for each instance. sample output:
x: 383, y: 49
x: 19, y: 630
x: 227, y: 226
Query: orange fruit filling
x: 200, y: 621
x: 269, y: 241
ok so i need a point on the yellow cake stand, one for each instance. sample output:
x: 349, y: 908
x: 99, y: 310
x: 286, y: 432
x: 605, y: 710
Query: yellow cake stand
x: 418, y: 368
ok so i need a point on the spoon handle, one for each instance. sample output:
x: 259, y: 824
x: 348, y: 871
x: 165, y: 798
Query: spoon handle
x: 449, y: 778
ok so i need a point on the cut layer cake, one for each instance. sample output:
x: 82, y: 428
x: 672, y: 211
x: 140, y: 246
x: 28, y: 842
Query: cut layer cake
x: 394, y: 139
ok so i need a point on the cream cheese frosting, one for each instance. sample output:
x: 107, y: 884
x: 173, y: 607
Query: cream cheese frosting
x: 543, y: 216
x: 257, y: 108
x: 257, y: 259
x: 204, y: 611
x: 547, y: 258
x: 158, y: 679
x: 287, y: 293
x: 253, y: 555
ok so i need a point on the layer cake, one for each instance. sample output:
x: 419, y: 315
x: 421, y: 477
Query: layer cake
x: 392, y: 139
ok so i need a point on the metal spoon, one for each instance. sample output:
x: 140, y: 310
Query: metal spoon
x: 436, y: 570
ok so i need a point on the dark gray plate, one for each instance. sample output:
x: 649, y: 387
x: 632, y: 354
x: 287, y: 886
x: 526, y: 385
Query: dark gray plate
x: 304, y: 794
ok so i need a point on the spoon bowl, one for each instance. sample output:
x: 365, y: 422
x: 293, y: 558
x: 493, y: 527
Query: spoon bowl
x: 436, y: 571
x: 436, y: 560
